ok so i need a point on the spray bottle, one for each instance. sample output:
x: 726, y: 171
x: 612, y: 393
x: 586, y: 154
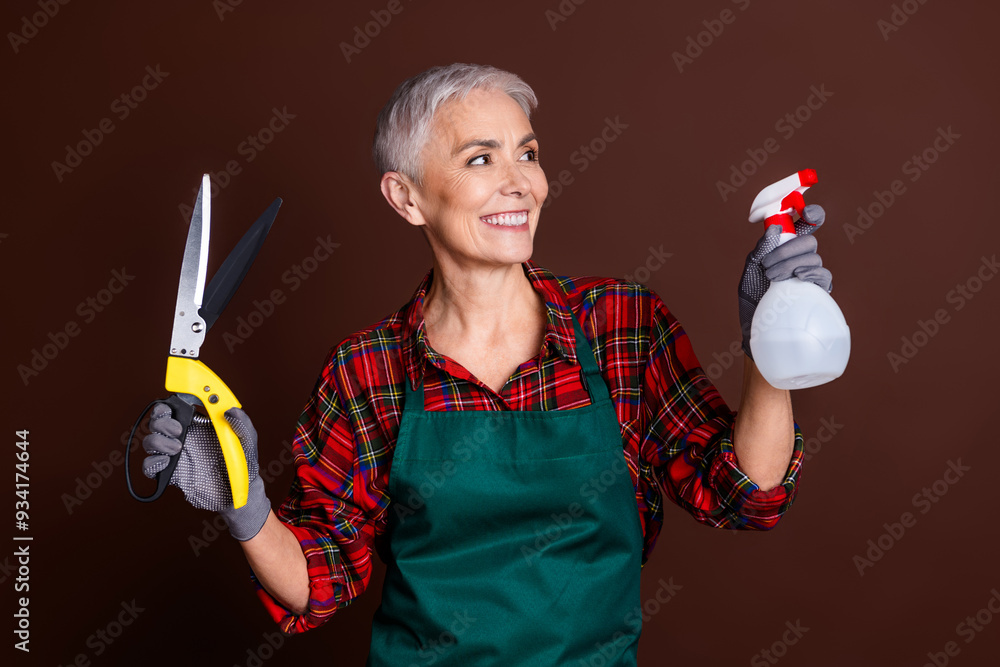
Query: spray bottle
x: 798, y: 336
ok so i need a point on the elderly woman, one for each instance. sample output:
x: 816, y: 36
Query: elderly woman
x: 503, y: 440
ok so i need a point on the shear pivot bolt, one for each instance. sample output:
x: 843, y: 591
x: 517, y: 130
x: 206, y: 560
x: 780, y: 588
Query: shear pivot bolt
x: 196, y: 327
x: 213, y: 399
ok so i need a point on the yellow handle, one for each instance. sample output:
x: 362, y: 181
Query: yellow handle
x: 190, y: 376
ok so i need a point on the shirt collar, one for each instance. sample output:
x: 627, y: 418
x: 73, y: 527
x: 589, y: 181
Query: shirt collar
x: 559, y: 332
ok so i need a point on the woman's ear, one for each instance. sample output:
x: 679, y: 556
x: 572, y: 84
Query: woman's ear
x: 400, y: 192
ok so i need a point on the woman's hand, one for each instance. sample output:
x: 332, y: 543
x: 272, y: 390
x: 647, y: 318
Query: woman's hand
x: 769, y: 261
x: 201, y: 470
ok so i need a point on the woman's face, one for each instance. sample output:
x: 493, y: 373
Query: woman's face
x: 483, y: 187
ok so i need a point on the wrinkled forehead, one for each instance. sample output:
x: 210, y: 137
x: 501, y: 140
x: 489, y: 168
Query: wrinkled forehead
x: 483, y: 114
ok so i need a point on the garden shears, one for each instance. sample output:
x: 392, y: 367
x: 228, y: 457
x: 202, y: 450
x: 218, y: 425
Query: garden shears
x: 196, y: 311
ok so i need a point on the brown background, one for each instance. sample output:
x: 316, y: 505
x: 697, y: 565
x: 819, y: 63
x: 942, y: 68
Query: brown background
x: 897, y: 429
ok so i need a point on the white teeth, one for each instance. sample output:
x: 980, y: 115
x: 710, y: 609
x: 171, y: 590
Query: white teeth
x: 507, y: 219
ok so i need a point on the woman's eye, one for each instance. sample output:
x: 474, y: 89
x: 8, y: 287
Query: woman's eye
x: 532, y: 155
x: 479, y: 159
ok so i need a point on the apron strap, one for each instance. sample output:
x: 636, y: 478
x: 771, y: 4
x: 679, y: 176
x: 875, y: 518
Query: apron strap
x: 413, y: 400
x: 591, y: 375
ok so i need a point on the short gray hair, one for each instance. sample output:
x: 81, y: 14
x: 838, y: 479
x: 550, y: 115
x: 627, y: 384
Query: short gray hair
x: 403, y: 125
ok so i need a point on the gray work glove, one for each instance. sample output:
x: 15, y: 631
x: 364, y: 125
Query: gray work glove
x: 201, y: 471
x: 768, y: 261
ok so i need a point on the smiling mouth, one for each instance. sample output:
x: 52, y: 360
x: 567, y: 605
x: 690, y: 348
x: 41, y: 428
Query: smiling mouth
x: 506, y: 219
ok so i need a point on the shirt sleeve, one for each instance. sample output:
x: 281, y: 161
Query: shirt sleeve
x: 327, y: 508
x: 687, y: 438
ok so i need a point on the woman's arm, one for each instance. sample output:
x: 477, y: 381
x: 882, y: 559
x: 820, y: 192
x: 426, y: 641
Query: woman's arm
x: 764, y: 433
x: 278, y: 562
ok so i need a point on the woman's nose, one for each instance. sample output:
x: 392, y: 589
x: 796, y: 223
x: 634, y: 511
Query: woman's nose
x: 515, y: 181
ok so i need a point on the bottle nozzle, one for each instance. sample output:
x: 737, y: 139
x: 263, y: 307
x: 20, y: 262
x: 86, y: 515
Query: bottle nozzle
x: 777, y: 203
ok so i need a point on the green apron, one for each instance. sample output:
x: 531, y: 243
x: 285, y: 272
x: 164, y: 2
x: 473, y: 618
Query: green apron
x: 513, y: 537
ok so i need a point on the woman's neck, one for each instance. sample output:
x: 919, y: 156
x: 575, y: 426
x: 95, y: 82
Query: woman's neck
x: 481, y: 303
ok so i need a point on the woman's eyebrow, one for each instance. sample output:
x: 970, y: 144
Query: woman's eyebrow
x: 490, y: 143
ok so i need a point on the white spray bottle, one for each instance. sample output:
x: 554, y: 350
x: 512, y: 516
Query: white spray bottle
x: 798, y: 336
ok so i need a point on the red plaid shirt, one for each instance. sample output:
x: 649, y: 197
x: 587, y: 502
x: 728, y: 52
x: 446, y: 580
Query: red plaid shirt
x: 676, y: 429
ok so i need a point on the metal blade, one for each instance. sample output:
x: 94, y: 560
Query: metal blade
x: 227, y: 279
x: 189, y: 328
